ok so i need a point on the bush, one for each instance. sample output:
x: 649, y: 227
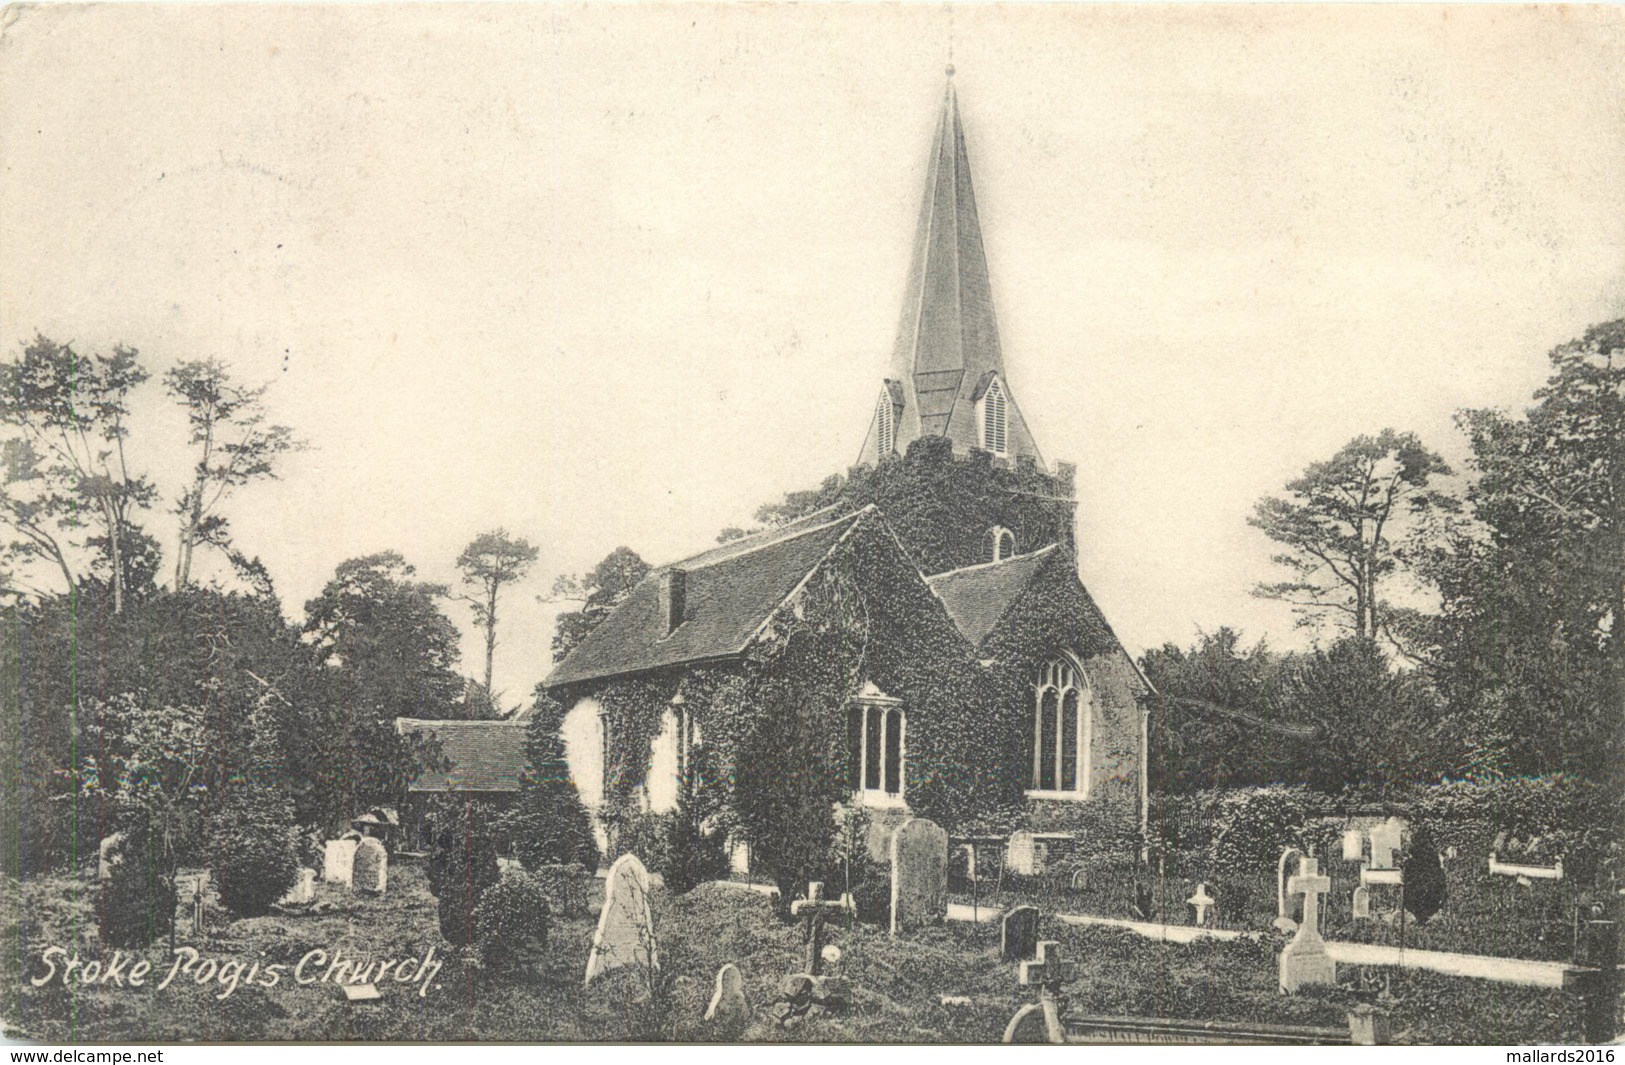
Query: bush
x: 138, y: 898
x: 1424, y: 875
x: 693, y: 855
x: 511, y: 917
x: 564, y: 887
x: 463, y: 865
x: 549, y: 825
x: 254, y: 835
x: 852, y: 868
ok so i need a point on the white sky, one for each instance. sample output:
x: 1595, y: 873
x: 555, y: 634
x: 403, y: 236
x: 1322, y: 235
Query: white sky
x: 620, y: 274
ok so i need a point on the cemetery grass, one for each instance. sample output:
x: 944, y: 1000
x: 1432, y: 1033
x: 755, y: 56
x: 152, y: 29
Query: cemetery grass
x: 897, y: 984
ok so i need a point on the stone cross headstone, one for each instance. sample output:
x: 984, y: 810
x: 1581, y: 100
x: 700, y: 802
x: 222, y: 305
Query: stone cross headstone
x: 729, y: 1010
x: 1201, y: 902
x: 1050, y: 972
x: 303, y: 892
x: 626, y: 929
x: 369, y: 869
x: 814, y: 910
x: 1018, y: 938
x: 919, y: 874
x: 1386, y: 839
x: 1305, y: 960
x: 337, y: 858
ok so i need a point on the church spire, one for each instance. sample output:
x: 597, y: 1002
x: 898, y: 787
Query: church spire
x: 948, y: 359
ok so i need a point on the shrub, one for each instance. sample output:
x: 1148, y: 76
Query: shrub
x: 138, y: 898
x: 693, y: 855
x: 853, y: 869
x: 564, y: 887
x: 254, y: 836
x: 463, y: 865
x: 549, y: 825
x: 1424, y: 875
x: 1252, y: 827
x: 510, y: 917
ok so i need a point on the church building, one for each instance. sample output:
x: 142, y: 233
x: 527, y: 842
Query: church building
x: 917, y: 643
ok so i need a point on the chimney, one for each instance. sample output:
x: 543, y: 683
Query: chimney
x: 673, y: 598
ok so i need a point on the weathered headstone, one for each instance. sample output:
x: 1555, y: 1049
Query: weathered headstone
x: 1018, y: 939
x: 1362, y: 902
x: 369, y: 870
x: 104, y: 862
x: 1353, y: 845
x: 729, y: 1010
x: 1305, y: 960
x: 1283, y: 918
x: 626, y: 930
x: 919, y: 874
x: 1021, y: 854
x: 303, y: 892
x: 1201, y: 902
x: 1386, y: 840
x: 338, y: 858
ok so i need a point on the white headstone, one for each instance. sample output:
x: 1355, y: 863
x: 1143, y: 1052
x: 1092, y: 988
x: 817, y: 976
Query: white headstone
x: 729, y: 1009
x: 1305, y: 960
x: 369, y: 869
x: 1386, y: 839
x: 626, y: 929
x: 1353, y: 845
x: 303, y: 892
x: 1362, y: 902
x: 1201, y: 901
x: 337, y: 859
x: 1021, y: 854
x: 104, y: 864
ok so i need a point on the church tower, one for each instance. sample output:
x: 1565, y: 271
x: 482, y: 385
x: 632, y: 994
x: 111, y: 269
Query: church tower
x: 948, y: 377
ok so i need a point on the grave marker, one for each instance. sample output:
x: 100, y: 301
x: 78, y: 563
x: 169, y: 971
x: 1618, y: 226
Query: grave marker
x: 369, y: 867
x: 338, y: 857
x: 626, y: 932
x: 104, y: 862
x: 1386, y: 839
x: 919, y: 875
x: 1305, y: 960
x: 303, y: 892
x: 1018, y: 937
x: 729, y: 1009
x: 814, y: 909
x: 1201, y: 902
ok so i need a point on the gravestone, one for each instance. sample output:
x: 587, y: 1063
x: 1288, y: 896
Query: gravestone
x: 1305, y: 960
x: 1386, y: 839
x: 1018, y: 939
x: 1353, y: 845
x: 626, y: 930
x: 104, y: 863
x: 1021, y: 854
x: 369, y: 869
x: 338, y: 858
x: 729, y: 1010
x: 1201, y: 902
x: 303, y: 892
x: 919, y: 874
x: 1362, y: 902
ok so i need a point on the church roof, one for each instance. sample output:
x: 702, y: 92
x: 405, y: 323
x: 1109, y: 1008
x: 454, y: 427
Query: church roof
x: 729, y: 592
x: 484, y: 755
x: 978, y: 597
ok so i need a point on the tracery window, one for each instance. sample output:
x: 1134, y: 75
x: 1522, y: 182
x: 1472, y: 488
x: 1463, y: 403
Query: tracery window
x: 877, y: 743
x: 1061, y: 726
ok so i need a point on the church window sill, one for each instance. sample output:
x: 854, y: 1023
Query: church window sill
x: 1062, y: 796
x: 881, y: 800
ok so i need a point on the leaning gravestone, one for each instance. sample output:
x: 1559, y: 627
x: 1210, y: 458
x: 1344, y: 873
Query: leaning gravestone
x: 337, y: 859
x: 729, y: 1011
x: 1018, y: 939
x: 369, y: 870
x: 626, y: 929
x: 919, y: 874
x: 303, y: 892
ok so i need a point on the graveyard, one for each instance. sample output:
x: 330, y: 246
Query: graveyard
x: 624, y: 958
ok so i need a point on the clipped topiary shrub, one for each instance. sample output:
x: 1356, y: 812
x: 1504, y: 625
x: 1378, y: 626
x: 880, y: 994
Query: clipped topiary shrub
x: 1424, y: 875
x: 463, y: 865
x: 511, y: 918
x: 138, y: 897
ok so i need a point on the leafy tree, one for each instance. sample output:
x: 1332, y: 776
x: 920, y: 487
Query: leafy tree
x: 1532, y: 589
x: 69, y: 413
x: 599, y: 592
x: 234, y: 446
x: 256, y: 855
x: 492, y: 560
x: 1340, y: 524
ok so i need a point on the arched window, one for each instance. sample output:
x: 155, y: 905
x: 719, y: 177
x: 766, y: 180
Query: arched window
x: 885, y: 425
x: 994, y: 419
x: 998, y: 545
x: 1061, y: 726
x: 877, y: 740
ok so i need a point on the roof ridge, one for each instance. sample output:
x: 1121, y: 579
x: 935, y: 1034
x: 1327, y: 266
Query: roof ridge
x: 788, y: 535
x: 988, y: 565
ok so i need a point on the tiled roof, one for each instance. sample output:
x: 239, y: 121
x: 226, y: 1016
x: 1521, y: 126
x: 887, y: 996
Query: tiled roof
x: 729, y: 591
x: 484, y: 755
x: 978, y: 596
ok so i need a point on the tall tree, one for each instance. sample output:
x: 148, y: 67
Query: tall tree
x: 492, y: 560
x: 234, y: 447
x: 1533, y: 593
x: 1339, y: 523
x: 70, y: 413
x: 599, y: 592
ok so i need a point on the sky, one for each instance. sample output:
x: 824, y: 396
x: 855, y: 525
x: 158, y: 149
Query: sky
x: 620, y: 274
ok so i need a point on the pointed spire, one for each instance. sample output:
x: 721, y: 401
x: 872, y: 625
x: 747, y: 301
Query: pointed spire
x: 948, y: 332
